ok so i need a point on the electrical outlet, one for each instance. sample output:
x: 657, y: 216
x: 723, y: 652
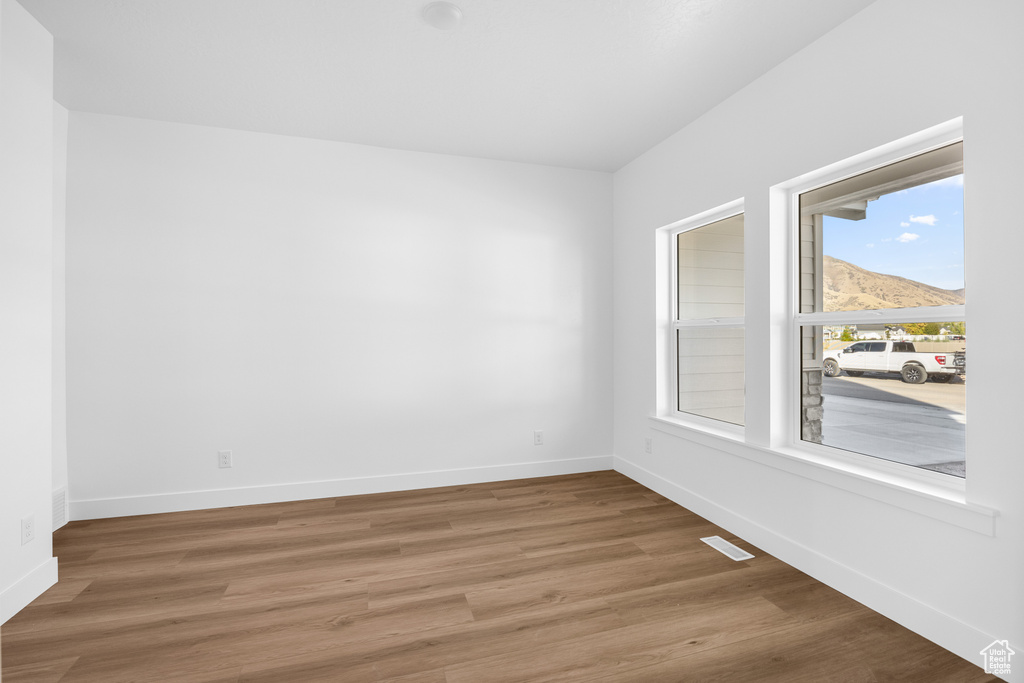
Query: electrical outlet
x: 648, y: 444
x: 28, y: 529
x: 538, y: 438
x: 224, y: 459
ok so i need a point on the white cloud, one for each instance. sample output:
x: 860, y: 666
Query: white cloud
x: 927, y: 220
x: 870, y: 246
x: 904, y: 224
x: 887, y: 239
x: 907, y: 237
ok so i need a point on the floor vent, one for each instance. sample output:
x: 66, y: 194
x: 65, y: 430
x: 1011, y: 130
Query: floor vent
x: 60, y: 508
x: 723, y: 546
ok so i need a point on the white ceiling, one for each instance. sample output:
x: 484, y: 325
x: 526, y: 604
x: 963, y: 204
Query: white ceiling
x: 581, y: 83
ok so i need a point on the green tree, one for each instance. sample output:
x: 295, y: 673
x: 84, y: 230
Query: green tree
x: 846, y: 335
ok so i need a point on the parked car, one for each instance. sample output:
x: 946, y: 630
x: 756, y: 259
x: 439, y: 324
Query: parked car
x: 915, y: 367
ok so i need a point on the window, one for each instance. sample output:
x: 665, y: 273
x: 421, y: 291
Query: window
x: 882, y: 312
x: 706, y: 333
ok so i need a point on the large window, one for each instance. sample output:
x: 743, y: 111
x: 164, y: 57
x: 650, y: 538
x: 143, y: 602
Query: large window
x: 707, y: 326
x: 882, y: 312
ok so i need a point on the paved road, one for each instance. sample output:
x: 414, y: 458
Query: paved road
x: 916, y: 424
x: 889, y: 387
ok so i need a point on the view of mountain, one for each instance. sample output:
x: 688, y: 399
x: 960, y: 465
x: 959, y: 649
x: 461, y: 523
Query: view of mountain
x: 849, y: 287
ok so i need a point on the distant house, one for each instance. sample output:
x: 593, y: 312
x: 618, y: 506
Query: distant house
x: 870, y: 332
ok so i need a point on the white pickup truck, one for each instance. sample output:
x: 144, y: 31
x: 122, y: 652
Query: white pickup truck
x: 915, y: 367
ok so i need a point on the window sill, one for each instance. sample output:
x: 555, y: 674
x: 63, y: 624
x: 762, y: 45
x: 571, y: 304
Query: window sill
x: 688, y: 427
x: 939, y: 497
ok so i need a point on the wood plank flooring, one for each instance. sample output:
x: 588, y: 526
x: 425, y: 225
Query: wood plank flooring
x: 588, y: 577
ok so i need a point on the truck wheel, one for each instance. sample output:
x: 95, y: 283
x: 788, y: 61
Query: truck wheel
x: 854, y: 373
x: 830, y: 368
x: 941, y: 379
x: 914, y: 374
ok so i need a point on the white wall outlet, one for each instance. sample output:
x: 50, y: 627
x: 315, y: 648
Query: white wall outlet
x: 224, y: 459
x: 648, y: 444
x: 28, y: 529
x: 538, y: 438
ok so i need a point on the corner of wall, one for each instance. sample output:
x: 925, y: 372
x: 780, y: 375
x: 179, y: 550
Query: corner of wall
x: 26, y: 310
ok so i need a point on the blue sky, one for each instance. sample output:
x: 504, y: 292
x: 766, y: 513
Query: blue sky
x: 916, y: 234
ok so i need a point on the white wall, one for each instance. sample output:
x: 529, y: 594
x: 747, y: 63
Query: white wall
x: 898, y: 67
x: 59, y: 430
x: 26, y: 176
x: 343, y: 318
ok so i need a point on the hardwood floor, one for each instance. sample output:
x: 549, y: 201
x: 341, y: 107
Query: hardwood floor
x: 587, y: 577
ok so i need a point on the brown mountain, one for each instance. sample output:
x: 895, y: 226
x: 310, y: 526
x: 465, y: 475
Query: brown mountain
x: 849, y: 288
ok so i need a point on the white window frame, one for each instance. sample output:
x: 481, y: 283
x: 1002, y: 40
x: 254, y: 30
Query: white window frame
x: 788, y: 195
x: 774, y: 439
x: 669, y: 324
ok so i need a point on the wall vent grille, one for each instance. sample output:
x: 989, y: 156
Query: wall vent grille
x: 60, y: 508
x: 728, y: 549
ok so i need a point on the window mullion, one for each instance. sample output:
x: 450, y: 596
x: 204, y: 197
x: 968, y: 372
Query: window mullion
x: 886, y: 315
x: 709, y: 322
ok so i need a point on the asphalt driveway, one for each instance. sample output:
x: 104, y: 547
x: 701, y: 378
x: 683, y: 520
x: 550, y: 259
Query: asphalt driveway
x: 916, y: 424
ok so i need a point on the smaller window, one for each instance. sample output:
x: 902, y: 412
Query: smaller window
x: 707, y: 332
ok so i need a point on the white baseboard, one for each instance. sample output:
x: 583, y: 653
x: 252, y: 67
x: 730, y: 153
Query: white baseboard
x: 940, y: 628
x: 29, y: 587
x: 276, y: 493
